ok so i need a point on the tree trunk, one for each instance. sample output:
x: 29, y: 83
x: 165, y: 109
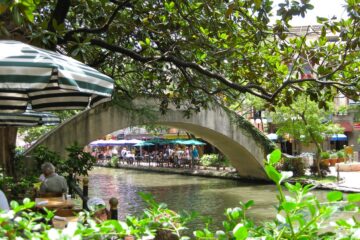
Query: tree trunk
x: 7, y: 149
x: 318, y: 147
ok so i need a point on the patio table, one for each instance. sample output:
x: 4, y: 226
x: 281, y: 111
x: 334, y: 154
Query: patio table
x: 54, y: 203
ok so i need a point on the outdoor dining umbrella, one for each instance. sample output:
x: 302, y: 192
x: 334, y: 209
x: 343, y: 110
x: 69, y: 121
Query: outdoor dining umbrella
x: 158, y: 141
x: 46, y: 81
x: 192, y: 142
x: 143, y: 144
x: 29, y: 118
x: 104, y: 143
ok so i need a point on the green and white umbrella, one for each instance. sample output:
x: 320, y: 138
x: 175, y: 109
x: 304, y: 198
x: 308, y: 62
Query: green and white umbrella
x: 47, y: 80
x: 29, y: 118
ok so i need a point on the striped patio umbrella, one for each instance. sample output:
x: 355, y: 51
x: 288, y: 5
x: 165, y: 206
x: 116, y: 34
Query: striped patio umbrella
x: 47, y: 80
x: 29, y: 118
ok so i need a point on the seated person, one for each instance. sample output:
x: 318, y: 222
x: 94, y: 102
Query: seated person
x: 53, y: 185
x: 98, y: 209
x: 4, y: 204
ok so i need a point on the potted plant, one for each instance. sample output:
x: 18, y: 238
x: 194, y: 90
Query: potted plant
x: 325, y: 157
x: 341, y: 156
x: 333, y: 159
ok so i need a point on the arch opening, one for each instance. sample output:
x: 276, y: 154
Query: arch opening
x: 213, y: 125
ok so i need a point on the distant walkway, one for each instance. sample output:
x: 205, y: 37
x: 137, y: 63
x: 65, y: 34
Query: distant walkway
x: 350, y: 181
x: 201, y: 171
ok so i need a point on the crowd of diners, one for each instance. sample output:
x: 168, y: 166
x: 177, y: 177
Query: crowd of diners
x: 164, y: 156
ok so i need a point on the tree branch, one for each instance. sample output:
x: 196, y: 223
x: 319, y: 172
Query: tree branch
x: 101, y: 29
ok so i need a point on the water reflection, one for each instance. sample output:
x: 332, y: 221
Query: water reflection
x: 208, y: 196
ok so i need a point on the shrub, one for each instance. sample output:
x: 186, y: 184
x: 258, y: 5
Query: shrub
x: 324, y: 155
x: 296, y: 165
x: 300, y: 215
x: 42, y: 154
x: 333, y: 156
x: 341, y: 154
x: 78, y: 162
x: 209, y: 160
x: 114, y: 161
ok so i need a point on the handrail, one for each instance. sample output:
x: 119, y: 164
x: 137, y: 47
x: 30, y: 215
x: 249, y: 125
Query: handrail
x: 83, y: 193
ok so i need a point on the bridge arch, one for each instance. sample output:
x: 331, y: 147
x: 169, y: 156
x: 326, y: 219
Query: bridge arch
x: 237, y: 139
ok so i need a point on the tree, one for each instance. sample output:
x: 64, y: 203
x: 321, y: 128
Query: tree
x: 305, y: 121
x: 194, y: 52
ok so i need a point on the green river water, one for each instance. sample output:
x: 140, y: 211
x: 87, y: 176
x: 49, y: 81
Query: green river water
x: 208, y: 196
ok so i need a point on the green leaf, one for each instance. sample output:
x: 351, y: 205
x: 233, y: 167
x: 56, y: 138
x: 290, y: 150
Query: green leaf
x: 289, y: 206
x: 199, y: 234
x: 240, y: 231
x: 273, y: 174
x: 14, y: 204
x: 334, y: 196
x: 343, y: 223
x: 147, y: 41
x: 351, y: 207
x: 355, y: 197
x: 249, y: 204
x: 236, y: 213
x: 290, y: 187
x: 274, y: 157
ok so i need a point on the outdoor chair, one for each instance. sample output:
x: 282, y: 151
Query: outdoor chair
x: 138, y: 160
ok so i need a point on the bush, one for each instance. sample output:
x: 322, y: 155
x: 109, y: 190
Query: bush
x: 209, y: 160
x: 78, y: 162
x: 324, y: 155
x: 341, y: 154
x: 42, y: 154
x: 114, y: 161
x: 296, y: 165
x: 300, y: 215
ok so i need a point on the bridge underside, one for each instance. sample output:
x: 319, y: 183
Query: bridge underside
x: 244, y: 152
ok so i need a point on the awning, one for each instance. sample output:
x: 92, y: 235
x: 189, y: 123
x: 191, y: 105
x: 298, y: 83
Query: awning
x: 338, y: 137
x: 346, y: 125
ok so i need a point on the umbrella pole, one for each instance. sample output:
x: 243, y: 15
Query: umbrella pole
x: 7, y: 149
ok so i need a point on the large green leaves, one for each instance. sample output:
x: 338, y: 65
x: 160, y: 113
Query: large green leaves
x: 274, y: 157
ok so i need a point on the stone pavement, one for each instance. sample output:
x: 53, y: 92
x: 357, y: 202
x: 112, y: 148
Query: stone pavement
x: 350, y: 181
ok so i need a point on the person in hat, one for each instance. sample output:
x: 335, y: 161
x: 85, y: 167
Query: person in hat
x: 98, y: 209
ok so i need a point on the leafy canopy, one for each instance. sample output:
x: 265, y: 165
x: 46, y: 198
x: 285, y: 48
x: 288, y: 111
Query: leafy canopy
x: 195, y: 52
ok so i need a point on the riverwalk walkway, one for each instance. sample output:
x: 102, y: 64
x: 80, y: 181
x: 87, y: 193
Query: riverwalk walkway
x: 349, y: 181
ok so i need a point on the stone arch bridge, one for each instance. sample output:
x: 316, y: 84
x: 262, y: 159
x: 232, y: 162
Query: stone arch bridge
x: 236, y: 138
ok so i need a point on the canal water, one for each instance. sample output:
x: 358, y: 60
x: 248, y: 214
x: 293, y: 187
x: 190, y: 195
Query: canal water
x: 210, y: 197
